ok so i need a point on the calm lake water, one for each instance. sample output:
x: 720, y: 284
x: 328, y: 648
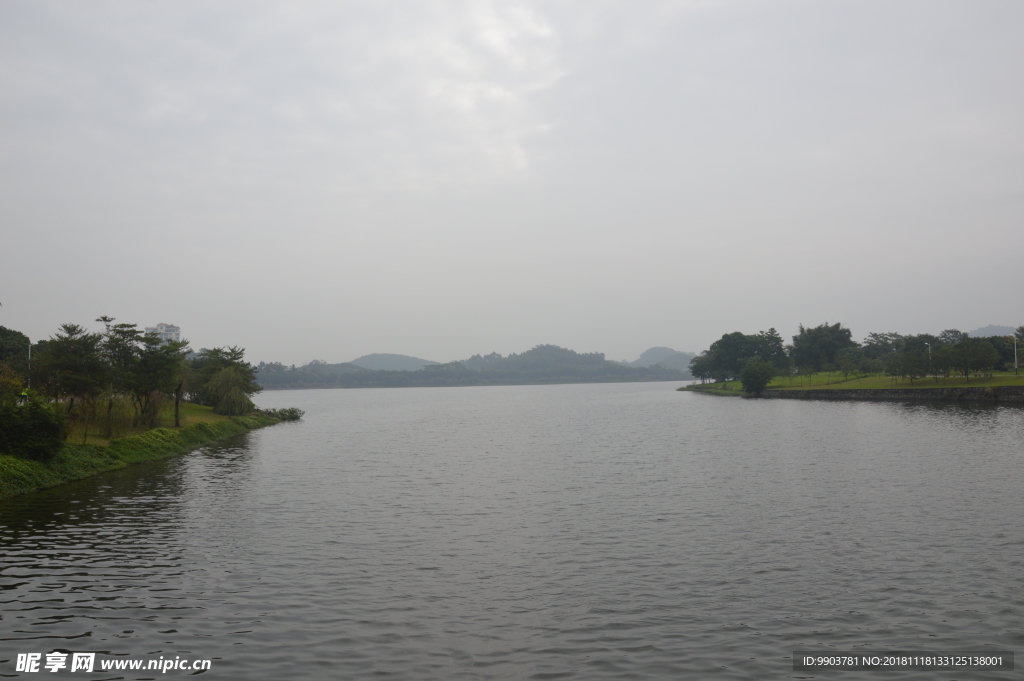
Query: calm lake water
x: 616, y: 531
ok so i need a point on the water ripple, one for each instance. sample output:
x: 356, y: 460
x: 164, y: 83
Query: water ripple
x: 546, y: 532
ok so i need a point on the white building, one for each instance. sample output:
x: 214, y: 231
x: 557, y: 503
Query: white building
x: 166, y: 332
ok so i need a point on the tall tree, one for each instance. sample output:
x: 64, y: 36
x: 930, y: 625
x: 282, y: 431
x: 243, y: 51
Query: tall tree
x: 702, y: 367
x: 951, y: 337
x: 731, y: 352
x: 942, y: 360
x: 768, y: 347
x: 846, y: 362
x: 72, y: 367
x: 881, y: 345
x: 121, y: 348
x: 202, y: 368
x: 14, y: 350
x: 159, y: 370
x: 974, y: 354
x: 228, y: 386
x: 819, y: 346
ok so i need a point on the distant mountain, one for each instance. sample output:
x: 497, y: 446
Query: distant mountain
x: 382, y: 361
x: 552, y: 364
x: 666, y: 357
x: 542, y: 364
x: 316, y: 374
x: 546, y: 364
x: 319, y: 367
x: 991, y: 330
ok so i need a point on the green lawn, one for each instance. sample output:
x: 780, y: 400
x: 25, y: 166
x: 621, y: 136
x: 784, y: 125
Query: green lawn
x: 190, y: 415
x: 826, y: 381
x: 194, y: 413
x: 77, y: 461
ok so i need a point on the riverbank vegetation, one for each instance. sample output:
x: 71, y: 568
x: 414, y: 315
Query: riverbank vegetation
x: 835, y: 381
x: 72, y: 461
x: 81, y: 387
x: 827, y: 357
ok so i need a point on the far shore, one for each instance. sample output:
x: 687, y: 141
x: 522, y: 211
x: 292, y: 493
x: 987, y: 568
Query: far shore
x: 1001, y: 387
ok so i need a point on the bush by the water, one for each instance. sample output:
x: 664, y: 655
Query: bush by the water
x: 287, y: 414
x: 756, y: 376
x: 32, y: 430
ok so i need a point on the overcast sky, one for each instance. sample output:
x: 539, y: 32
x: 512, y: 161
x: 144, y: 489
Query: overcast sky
x: 325, y: 180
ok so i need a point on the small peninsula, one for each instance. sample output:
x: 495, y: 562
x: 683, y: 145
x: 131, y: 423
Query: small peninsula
x: 81, y: 402
x: 824, y: 362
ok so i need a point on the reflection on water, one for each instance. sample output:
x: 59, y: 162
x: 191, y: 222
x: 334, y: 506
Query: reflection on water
x: 595, y: 531
x: 102, y: 563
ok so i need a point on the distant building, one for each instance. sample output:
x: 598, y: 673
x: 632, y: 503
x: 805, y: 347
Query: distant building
x: 166, y: 332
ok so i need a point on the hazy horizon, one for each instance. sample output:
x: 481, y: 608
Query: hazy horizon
x: 444, y: 179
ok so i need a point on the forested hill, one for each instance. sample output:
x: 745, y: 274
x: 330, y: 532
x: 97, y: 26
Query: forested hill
x: 666, y: 357
x: 542, y: 364
x: 389, y: 362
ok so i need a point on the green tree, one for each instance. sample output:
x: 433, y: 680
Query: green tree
x: 893, y: 365
x: 731, y: 352
x: 768, y: 347
x: 881, y: 345
x: 11, y: 384
x: 871, y: 366
x: 951, y: 337
x: 33, y: 430
x: 819, y: 346
x: 158, y: 371
x: 202, y: 367
x: 228, y: 388
x: 942, y: 359
x: 756, y: 375
x: 72, y: 365
x: 1004, y: 348
x: 142, y: 366
x: 72, y: 368
x: 847, y: 363
x: 702, y: 367
x: 14, y: 350
x: 920, y: 343
x: 911, y: 365
x: 121, y: 348
x: 974, y: 354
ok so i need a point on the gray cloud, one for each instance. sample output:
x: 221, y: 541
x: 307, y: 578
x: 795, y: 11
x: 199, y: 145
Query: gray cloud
x: 443, y: 178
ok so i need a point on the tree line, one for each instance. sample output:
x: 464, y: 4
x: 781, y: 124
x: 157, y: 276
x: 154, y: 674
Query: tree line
x: 830, y: 347
x: 542, y: 364
x: 111, y: 382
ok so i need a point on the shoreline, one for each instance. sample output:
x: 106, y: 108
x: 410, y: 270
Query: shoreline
x: 75, y: 461
x: 267, y: 388
x: 1006, y: 394
x: 999, y: 394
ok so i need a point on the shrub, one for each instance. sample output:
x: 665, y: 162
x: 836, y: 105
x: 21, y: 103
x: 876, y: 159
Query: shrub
x: 228, y: 388
x: 287, y: 414
x: 756, y: 376
x: 32, y: 430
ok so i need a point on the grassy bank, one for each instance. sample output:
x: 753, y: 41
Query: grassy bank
x: 92, y: 432
x: 77, y: 461
x: 836, y: 381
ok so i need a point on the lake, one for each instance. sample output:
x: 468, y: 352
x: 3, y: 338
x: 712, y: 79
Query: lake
x: 612, y: 531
